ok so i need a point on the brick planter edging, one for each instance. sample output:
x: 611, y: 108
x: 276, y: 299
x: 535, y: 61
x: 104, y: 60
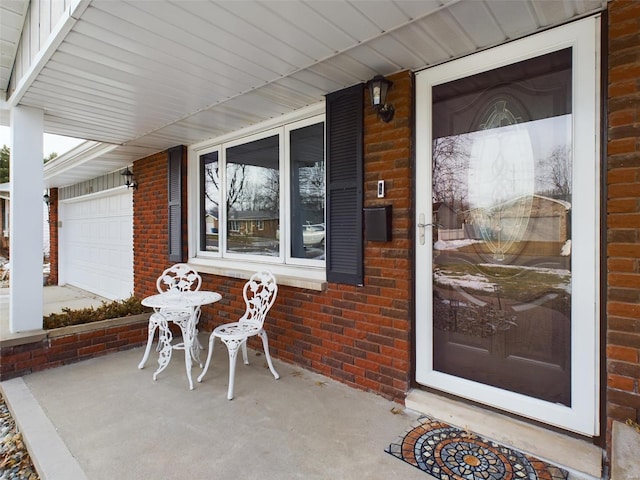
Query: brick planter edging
x: 65, y: 345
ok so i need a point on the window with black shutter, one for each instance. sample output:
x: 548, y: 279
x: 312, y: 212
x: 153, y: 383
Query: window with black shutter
x: 175, y: 203
x: 344, y: 185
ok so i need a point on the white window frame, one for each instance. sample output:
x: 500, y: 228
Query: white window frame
x: 304, y: 273
x: 223, y: 253
x: 289, y: 259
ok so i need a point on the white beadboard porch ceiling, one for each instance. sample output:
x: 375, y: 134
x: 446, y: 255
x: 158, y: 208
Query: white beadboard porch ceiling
x: 148, y: 75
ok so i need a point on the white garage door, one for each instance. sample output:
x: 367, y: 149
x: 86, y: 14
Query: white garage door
x: 96, y: 243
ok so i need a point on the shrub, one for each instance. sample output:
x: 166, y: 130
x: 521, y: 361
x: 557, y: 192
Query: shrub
x: 115, y: 309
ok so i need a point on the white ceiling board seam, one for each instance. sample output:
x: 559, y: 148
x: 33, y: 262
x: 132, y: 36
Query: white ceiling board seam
x: 86, y: 47
x: 196, y: 47
x: 152, y: 43
x: 54, y: 74
x: 494, y: 19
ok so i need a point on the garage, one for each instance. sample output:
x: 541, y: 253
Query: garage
x: 96, y: 243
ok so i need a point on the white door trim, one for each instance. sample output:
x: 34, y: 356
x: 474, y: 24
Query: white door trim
x: 583, y: 37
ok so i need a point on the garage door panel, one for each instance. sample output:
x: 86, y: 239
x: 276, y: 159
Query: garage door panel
x: 96, y: 244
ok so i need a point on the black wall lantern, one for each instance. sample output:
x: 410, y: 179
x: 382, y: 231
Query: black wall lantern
x: 128, y: 179
x: 378, y: 87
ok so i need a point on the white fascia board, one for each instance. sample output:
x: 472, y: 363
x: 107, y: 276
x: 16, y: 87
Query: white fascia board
x: 83, y: 153
x: 56, y: 37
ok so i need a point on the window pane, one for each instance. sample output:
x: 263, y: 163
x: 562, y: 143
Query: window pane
x: 209, y: 202
x: 307, y: 192
x: 253, y: 196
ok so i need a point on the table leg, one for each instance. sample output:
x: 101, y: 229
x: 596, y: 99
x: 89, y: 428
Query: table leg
x: 188, y: 328
x: 164, y: 356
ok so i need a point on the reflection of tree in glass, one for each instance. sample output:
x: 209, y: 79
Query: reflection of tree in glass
x: 450, y: 164
x: 212, y: 188
x: 267, y: 196
x: 236, y: 181
x: 555, y: 173
x: 253, y: 189
x: 312, y: 186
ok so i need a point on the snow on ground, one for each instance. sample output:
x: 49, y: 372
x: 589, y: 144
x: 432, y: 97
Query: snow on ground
x: 454, y: 244
x: 475, y: 282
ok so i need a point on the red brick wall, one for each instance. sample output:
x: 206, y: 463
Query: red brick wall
x: 623, y: 212
x: 358, y: 335
x: 150, y: 213
x: 55, y: 351
x: 53, y: 236
x: 150, y: 240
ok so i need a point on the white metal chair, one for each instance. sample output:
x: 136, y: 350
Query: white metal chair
x: 259, y: 295
x: 179, y: 278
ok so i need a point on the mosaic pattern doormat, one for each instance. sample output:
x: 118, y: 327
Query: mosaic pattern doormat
x: 448, y: 453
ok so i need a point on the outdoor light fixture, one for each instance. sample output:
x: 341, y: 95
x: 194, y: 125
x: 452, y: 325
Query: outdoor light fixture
x: 378, y: 87
x: 47, y: 199
x: 128, y: 179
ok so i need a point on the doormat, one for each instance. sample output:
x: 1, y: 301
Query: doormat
x: 449, y: 453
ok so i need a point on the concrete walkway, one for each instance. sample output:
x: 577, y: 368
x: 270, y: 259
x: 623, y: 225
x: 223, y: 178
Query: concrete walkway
x: 105, y: 419
x: 55, y: 299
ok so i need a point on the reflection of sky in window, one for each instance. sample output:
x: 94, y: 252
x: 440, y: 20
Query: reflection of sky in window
x: 501, y: 166
x: 525, y: 148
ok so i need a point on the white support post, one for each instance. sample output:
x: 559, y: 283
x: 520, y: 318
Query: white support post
x: 26, y: 222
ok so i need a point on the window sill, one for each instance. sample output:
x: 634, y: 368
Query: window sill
x: 297, y: 277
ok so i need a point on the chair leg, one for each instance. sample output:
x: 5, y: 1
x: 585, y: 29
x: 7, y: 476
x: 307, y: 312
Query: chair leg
x: 209, y: 353
x: 265, y: 344
x: 232, y: 346
x: 245, y: 357
x: 152, y: 330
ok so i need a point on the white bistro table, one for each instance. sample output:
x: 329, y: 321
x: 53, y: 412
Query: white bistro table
x: 172, y: 301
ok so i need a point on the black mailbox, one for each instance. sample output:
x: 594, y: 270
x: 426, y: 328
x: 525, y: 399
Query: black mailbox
x: 377, y: 223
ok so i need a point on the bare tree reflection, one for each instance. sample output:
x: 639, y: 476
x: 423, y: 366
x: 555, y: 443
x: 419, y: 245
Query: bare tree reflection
x: 555, y: 173
x: 450, y: 164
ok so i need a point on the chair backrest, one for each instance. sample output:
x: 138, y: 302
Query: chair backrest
x: 180, y: 278
x: 259, y: 295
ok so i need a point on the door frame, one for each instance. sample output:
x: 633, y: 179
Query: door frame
x: 583, y: 37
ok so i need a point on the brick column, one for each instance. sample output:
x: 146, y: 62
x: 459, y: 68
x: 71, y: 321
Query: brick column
x: 53, y: 236
x: 623, y: 213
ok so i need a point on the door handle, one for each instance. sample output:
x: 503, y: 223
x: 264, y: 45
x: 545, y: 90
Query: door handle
x: 422, y: 226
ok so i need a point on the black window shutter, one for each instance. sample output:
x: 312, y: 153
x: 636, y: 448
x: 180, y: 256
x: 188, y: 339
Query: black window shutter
x: 175, y: 203
x: 344, y: 185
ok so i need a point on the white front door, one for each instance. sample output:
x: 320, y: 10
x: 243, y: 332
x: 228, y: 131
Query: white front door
x: 96, y: 243
x: 507, y: 240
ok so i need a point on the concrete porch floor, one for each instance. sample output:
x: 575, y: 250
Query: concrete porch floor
x: 104, y: 419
